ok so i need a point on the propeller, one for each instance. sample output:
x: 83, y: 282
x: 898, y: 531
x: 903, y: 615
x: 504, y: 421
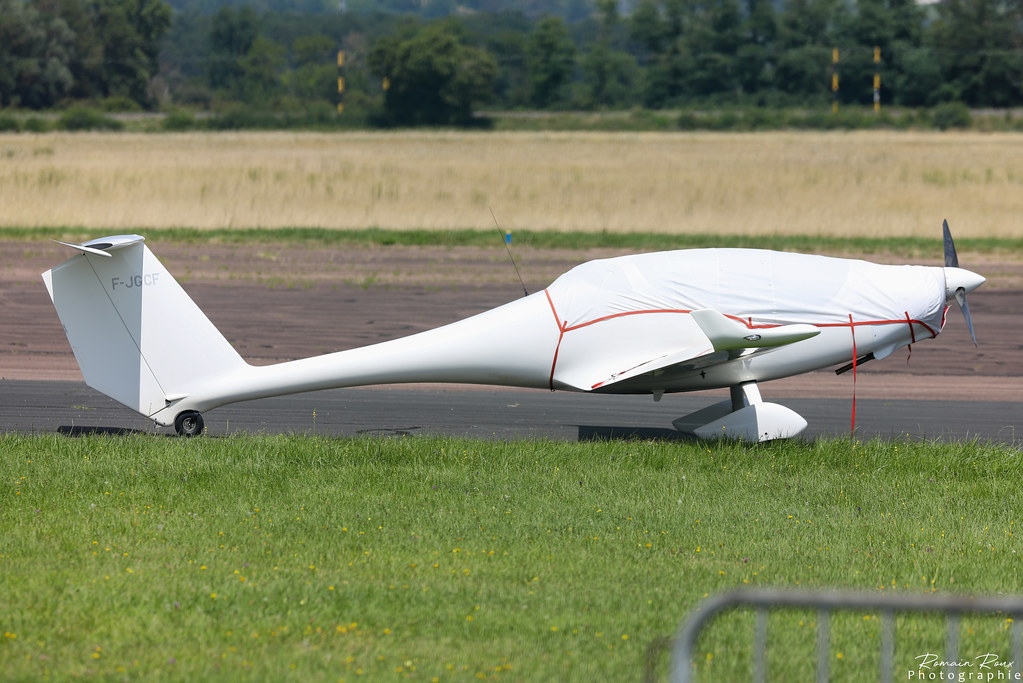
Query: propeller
x: 958, y: 281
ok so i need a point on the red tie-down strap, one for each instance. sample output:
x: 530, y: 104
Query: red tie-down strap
x: 852, y: 329
x: 912, y: 336
x: 561, y: 335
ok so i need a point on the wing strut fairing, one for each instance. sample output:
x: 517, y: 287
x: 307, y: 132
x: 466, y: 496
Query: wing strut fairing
x: 745, y: 416
x: 653, y: 323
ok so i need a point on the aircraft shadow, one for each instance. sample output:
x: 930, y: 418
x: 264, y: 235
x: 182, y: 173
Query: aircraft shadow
x: 76, y: 430
x: 604, y: 433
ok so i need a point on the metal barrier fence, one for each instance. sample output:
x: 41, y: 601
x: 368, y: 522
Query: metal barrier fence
x: 825, y: 602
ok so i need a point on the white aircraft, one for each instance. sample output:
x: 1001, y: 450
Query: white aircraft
x: 643, y: 324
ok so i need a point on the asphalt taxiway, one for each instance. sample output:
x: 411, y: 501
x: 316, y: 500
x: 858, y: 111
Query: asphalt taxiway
x: 73, y: 408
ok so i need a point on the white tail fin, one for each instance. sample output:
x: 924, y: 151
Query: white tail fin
x: 136, y: 334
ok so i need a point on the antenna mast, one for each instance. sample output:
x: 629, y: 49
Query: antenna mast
x: 506, y: 238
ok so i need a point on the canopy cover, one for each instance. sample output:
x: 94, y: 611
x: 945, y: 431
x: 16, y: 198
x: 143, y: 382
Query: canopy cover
x: 764, y: 287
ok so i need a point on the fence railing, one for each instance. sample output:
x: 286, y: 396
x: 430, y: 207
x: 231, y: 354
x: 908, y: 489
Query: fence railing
x: 763, y: 600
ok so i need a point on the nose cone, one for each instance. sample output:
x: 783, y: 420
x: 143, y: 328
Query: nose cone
x: 960, y: 278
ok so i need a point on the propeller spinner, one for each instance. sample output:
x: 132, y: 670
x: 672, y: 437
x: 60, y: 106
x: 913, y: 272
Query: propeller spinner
x: 958, y: 281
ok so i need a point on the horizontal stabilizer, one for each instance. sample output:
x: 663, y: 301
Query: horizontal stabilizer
x: 82, y: 247
x: 103, y: 247
x: 728, y: 334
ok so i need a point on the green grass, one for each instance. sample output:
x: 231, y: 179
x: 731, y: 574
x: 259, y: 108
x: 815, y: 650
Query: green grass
x: 910, y: 246
x: 307, y: 558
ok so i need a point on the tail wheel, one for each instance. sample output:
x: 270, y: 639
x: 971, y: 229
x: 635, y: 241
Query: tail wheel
x: 189, y: 423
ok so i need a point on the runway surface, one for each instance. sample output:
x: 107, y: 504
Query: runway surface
x: 73, y: 408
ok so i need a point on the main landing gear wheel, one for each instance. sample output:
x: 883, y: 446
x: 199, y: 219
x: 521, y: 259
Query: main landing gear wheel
x: 188, y: 423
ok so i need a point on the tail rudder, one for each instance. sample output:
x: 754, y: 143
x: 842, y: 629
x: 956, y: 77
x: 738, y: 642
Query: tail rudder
x: 136, y: 334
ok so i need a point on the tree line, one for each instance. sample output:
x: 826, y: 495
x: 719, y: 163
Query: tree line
x: 57, y: 50
x: 414, y: 67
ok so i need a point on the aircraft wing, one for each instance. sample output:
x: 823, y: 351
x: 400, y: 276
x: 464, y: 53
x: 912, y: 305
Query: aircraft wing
x: 719, y: 338
x: 652, y: 367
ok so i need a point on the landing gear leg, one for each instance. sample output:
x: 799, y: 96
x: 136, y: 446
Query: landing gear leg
x: 188, y: 423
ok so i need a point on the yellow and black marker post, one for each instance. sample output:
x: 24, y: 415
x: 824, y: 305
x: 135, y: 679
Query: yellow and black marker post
x: 834, y: 80
x: 877, y: 78
x: 340, y: 81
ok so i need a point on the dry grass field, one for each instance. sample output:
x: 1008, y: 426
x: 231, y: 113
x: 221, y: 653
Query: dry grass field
x: 870, y: 184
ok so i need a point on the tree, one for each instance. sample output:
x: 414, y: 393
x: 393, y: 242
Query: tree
x: 755, y: 58
x: 713, y: 36
x: 806, y: 36
x: 647, y: 28
x: 113, y: 45
x: 612, y: 76
x: 314, y: 77
x: 659, y: 27
x: 34, y: 56
x: 894, y: 26
x: 551, y: 59
x: 978, y: 44
x: 918, y: 80
x: 231, y: 37
x: 808, y: 22
x: 804, y: 71
x: 432, y: 78
x: 314, y: 49
x: 130, y: 32
x: 85, y: 49
x: 505, y: 35
x: 261, y: 67
x: 610, y: 71
x: 761, y: 25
